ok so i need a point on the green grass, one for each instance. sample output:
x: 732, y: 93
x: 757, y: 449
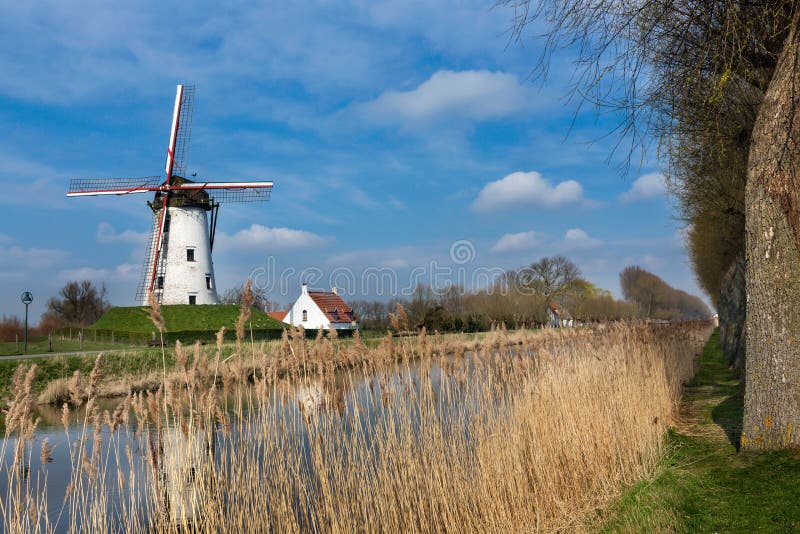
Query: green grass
x: 181, y: 318
x: 132, y: 326
x: 41, y: 346
x: 128, y: 362
x: 703, y: 483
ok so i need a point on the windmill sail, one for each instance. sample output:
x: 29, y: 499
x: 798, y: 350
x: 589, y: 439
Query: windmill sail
x: 174, y: 270
x: 82, y: 187
x: 178, y: 150
x: 229, y: 192
x: 143, y: 288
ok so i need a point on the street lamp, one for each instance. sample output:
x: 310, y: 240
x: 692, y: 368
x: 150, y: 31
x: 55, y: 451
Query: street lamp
x: 26, y: 299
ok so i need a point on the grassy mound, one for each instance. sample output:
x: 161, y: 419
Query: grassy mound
x: 183, y: 318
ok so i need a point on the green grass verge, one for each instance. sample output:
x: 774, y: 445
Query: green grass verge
x: 41, y: 346
x: 703, y: 483
x: 182, y: 317
x: 128, y: 362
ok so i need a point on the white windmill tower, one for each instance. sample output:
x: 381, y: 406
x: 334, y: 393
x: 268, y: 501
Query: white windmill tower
x: 177, y: 267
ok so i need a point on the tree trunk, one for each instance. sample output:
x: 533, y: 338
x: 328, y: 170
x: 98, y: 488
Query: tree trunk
x: 772, y: 211
x: 732, y: 313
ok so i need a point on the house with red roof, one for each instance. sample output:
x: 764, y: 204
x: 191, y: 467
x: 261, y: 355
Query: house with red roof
x: 321, y: 309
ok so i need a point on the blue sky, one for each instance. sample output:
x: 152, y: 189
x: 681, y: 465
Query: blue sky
x: 392, y: 131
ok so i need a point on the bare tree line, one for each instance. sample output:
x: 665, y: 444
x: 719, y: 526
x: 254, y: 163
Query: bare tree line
x: 522, y: 297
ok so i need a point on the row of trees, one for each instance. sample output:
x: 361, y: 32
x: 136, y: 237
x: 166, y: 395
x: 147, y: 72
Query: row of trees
x: 717, y: 86
x: 656, y: 299
x: 78, y: 303
x: 522, y: 297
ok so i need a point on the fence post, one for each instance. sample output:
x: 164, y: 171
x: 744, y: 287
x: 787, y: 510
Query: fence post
x: 50, y: 342
x: 16, y: 339
x: 80, y: 339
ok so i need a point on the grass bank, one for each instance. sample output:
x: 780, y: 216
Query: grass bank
x: 703, y: 484
x: 141, y: 368
x: 41, y: 346
x: 183, y: 318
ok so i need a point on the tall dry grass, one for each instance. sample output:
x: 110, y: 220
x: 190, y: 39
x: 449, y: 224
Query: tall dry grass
x: 531, y: 432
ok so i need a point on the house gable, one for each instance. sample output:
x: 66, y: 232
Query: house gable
x: 322, y: 309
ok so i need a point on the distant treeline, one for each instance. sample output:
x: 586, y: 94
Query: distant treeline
x: 522, y: 297
x: 658, y: 300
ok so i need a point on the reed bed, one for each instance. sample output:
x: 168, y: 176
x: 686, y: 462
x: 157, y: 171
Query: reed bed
x: 518, y: 432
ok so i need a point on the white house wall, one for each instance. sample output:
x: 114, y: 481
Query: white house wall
x: 188, y: 229
x: 316, y: 319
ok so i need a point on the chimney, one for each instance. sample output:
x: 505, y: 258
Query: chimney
x: 334, y: 290
x: 305, y: 288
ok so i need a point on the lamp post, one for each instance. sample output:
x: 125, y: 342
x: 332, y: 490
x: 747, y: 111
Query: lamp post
x: 26, y: 299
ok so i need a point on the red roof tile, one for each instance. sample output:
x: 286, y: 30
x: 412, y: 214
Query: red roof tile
x: 332, y: 306
x: 279, y: 315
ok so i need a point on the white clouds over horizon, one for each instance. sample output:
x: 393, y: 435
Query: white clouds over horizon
x: 30, y: 258
x: 449, y: 95
x: 517, y: 242
x: 266, y: 239
x: 125, y: 271
x: 645, y: 187
x: 106, y: 233
x: 527, y: 189
x: 575, y: 239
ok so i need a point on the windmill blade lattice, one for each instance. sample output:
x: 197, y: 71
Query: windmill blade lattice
x: 229, y: 192
x: 182, y: 272
x: 112, y: 186
x: 184, y: 132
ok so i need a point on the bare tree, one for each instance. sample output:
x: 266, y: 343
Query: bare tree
x: 550, y: 276
x: 78, y: 304
x: 234, y: 296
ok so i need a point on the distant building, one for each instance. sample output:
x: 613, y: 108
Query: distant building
x: 321, y: 309
x: 559, y: 317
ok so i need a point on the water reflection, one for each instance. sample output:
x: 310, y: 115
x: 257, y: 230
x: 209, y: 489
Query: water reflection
x: 160, y: 470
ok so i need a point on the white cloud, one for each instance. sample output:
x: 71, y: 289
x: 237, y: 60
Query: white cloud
x: 647, y: 186
x: 397, y: 203
x: 5, y: 239
x: 30, y: 258
x: 527, y: 189
x: 361, y: 198
x: 575, y: 238
x: 516, y: 242
x: 400, y: 257
x: 472, y: 95
x: 107, y: 234
x: 124, y: 271
x: 263, y: 237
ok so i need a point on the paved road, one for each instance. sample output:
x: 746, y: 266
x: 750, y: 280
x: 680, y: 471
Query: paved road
x: 55, y: 354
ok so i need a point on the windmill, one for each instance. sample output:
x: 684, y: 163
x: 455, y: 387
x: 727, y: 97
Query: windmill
x: 177, y: 267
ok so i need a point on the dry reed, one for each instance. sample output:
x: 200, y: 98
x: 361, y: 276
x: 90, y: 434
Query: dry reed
x: 518, y: 432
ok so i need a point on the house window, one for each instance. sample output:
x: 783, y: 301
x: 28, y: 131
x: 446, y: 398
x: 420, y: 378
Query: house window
x: 305, y: 315
x: 208, y: 282
x: 160, y: 282
x: 166, y: 223
x: 189, y: 254
x: 193, y: 299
